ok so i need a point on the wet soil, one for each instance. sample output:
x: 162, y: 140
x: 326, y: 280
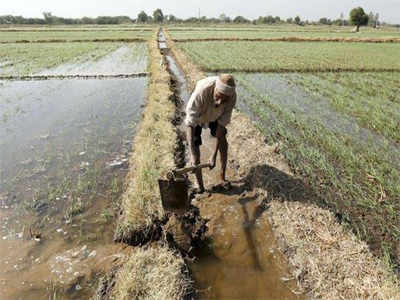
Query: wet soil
x: 241, y: 260
x: 64, y: 150
x: 241, y: 243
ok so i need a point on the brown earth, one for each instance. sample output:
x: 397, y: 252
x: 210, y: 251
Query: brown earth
x: 241, y: 241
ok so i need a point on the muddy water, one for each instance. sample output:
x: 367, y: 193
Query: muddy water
x: 64, y: 148
x: 242, y: 260
x: 128, y: 59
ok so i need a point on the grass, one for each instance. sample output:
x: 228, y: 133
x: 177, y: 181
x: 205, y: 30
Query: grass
x: 155, y: 272
x: 22, y: 59
x: 354, y: 273
x: 154, y: 149
x: 295, y: 56
x: 152, y: 273
x: 10, y: 36
x: 371, y: 98
x: 356, y: 180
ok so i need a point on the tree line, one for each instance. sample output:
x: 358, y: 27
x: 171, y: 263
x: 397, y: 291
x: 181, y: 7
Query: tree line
x: 357, y: 17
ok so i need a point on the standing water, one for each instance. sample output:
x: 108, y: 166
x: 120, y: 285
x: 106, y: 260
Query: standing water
x: 242, y: 260
x: 64, y: 148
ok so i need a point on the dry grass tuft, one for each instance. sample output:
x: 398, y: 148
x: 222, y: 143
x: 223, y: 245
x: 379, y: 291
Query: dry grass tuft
x: 329, y: 261
x: 153, y: 154
x: 152, y: 273
x: 155, y: 272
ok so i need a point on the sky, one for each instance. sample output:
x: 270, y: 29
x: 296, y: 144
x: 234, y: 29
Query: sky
x: 389, y: 10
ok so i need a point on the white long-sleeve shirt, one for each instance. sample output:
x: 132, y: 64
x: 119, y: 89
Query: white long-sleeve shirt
x: 201, y: 109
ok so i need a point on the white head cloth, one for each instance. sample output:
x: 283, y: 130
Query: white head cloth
x: 224, y: 88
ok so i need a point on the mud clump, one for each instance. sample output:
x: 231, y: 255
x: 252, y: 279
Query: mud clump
x: 151, y: 233
x: 106, y: 286
x: 186, y: 232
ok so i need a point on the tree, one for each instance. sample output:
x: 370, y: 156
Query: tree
x: 371, y: 19
x: 158, y: 16
x: 376, y: 20
x: 289, y: 20
x: 172, y: 18
x: 240, y: 19
x: 323, y: 21
x: 224, y: 19
x: 297, y: 20
x: 48, y: 17
x: 358, y: 17
x: 142, y: 17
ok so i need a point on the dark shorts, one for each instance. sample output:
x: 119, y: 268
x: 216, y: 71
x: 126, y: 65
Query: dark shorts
x: 198, y: 129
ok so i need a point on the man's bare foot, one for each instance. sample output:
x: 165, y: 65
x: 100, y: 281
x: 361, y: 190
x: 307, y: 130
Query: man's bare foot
x: 224, y: 186
x: 198, y: 194
x: 198, y: 190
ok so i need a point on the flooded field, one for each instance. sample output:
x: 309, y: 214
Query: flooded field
x: 128, y: 59
x: 335, y: 141
x: 57, y: 58
x: 64, y: 148
x: 80, y: 34
x: 291, y: 98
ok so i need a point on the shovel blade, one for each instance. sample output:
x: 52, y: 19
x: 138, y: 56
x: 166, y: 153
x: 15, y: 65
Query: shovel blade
x: 174, y: 194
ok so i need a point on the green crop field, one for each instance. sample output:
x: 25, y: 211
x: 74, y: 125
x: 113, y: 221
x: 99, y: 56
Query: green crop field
x: 286, y: 56
x: 275, y: 27
x: 373, y: 99
x: 26, y: 59
x: 353, y: 170
x: 96, y: 27
x: 254, y: 34
x: 10, y: 36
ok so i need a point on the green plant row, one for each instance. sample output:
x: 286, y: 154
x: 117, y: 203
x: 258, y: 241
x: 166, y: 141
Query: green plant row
x: 275, y: 56
x: 373, y: 99
x: 357, y: 183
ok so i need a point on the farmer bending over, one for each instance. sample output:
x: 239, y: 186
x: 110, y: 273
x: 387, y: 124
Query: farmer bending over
x: 210, y: 106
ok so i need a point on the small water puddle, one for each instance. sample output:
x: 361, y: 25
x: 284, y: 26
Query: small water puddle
x: 242, y: 261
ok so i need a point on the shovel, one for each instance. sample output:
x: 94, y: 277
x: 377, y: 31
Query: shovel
x: 174, y: 190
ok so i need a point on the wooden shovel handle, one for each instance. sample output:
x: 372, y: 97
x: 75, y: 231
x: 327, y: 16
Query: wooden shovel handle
x: 190, y: 169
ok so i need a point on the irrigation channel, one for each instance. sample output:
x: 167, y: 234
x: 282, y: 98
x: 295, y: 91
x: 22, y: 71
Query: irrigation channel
x: 64, y: 149
x: 241, y: 261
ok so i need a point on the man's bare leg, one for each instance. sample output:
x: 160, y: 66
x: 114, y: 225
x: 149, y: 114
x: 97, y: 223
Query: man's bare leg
x: 223, y: 151
x: 222, y: 147
x: 196, y: 161
x: 195, y: 157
